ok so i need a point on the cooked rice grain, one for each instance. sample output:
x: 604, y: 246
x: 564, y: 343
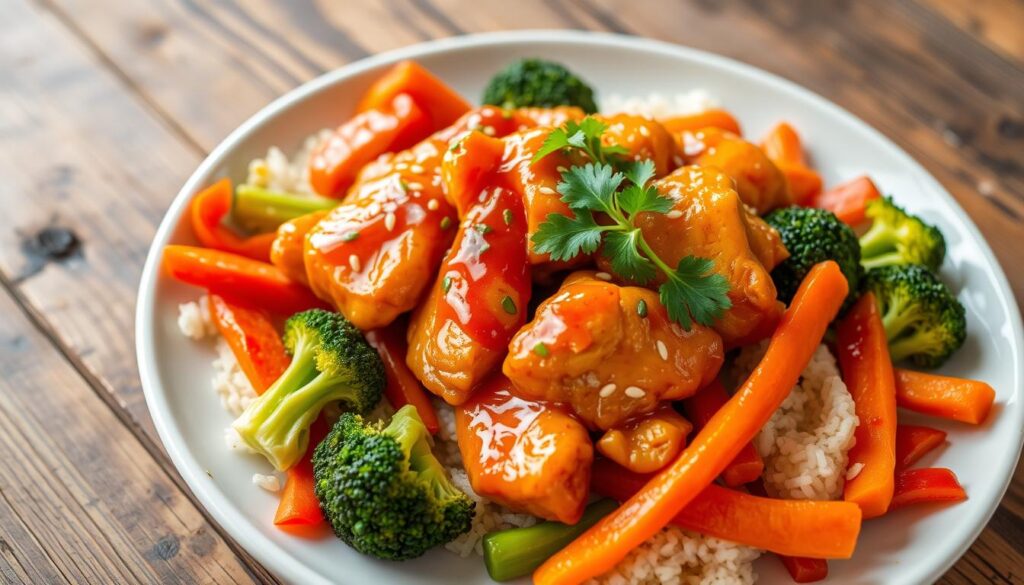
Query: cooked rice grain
x: 658, y: 105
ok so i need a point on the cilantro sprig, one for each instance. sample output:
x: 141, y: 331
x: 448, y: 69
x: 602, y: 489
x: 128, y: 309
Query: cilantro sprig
x: 616, y: 190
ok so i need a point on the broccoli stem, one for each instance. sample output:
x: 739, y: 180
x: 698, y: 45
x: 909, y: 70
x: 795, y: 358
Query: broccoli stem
x: 261, y: 210
x: 512, y: 553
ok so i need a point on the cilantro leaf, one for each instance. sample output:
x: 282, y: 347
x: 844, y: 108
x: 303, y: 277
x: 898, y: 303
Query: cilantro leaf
x: 693, y: 290
x: 590, y: 187
x: 621, y: 249
x: 565, y: 237
x: 635, y: 199
x: 639, y: 172
x: 557, y: 140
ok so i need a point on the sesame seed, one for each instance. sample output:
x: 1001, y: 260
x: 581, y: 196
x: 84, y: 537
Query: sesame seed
x: 560, y: 169
x: 416, y: 168
x: 415, y: 186
x: 433, y: 205
x: 674, y: 214
x: 401, y: 167
x: 602, y: 276
x: 489, y: 130
x: 645, y: 131
x: 607, y: 390
x: 634, y: 392
x: 353, y: 262
x: 546, y: 190
x: 389, y: 221
x: 662, y: 350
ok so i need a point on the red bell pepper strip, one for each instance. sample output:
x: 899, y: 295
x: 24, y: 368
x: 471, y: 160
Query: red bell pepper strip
x: 298, y: 505
x: 747, y: 465
x: 799, y: 333
x: 402, y: 388
x: 207, y: 211
x: 253, y: 339
x: 914, y: 442
x: 931, y: 484
x: 392, y: 126
x: 242, y: 279
x: 867, y: 371
x: 959, y: 399
x: 801, y: 527
x: 848, y: 201
x: 442, y: 104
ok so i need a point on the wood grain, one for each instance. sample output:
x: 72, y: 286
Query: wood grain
x: 107, y: 106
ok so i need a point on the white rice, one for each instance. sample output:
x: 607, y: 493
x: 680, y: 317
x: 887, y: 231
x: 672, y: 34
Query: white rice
x: 279, y: 173
x: 270, y: 483
x: 657, y: 105
x: 805, y: 445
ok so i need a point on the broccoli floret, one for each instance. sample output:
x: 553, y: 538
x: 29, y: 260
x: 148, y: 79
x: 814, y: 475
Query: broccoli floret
x: 382, y: 489
x: 923, y: 320
x: 331, y: 361
x: 897, y: 237
x: 538, y: 83
x: 813, y: 236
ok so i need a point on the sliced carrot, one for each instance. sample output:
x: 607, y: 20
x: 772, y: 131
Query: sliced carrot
x: 713, y: 118
x: 207, y: 211
x: 747, y: 465
x: 782, y: 145
x: 959, y: 399
x: 441, y: 103
x: 402, y: 388
x: 804, y: 183
x: 914, y: 442
x: 802, y: 327
x: 931, y: 484
x: 794, y: 527
x: 298, y: 505
x: 848, y: 201
x: 867, y: 371
x: 242, y: 279
x: 253, y: 339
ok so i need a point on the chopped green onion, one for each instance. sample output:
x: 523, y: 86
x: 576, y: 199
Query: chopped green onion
x: 541, y: 350
x: 446, y: 283
x: 509, y: 305
x: 641, y: 308
x: 446, y: 222
x: 349, y: 236
x: 507, y: 216
x: 483, y: 228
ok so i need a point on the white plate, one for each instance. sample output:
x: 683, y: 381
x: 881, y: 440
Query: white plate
x: 909, y: 546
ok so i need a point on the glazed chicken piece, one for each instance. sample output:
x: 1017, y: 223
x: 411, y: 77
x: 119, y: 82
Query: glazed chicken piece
x: 374, y: 255
x: 714, y: 224
x: 461, y: 330
x: 647, y: 443
x: 287, y: 251
x: 765, y: 241
x: 609, y: 352
x: 526, y: 455
x: 644, y: 139
x: 759, y: 183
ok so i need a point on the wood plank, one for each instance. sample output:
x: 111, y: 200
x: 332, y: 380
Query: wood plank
x: 81, y: 500
x: 998, y: 23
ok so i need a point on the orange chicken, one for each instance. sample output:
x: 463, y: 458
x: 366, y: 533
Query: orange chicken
x: 526, y: 455
x: 609, y: 352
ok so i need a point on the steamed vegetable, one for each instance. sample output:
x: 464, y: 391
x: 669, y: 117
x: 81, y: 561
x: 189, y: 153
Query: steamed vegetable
x: 207, y: 212
x: 513, y: 553
x: 959, y: 399
x: 262, y: 210
x: 867, y: 371
x: 783, y: 147
x: 382, y: 489
x: 239, y: 278
x: 402, y: 387
x: 713, y: 118
x: 298, y: 505
x: 898, y: 237
x: 442, y: 104
x: 849, y: 200
x: 813, y: 236
x: 331, y: 362
x: 923, y: 321
x: 537, y: 83
x: 253, y: 340
x: 734, y: 425
x: 747, y: 465
x: 914, y: 442
x: 928, y: 485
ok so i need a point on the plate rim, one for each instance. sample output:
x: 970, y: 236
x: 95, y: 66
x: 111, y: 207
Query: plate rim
x: 260, y: 546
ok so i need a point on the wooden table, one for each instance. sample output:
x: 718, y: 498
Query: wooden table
x: 106, y: 107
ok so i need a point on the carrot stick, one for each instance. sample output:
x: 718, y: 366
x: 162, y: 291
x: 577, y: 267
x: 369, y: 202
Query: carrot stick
x: 959, y: 399
x: 867, y: 371
x: 298, y: 505
x: 782, y: 145
x: 801, y: 569
x: 207, y: 211
x: 804, y: 183
x: 933, y: 484
x: 253, y: 339
x: 820, y: 529
x: 747, y: 465
x: 849, y: 200
x: 441, y: 103
x: 914, y: 442
x: 242, y: 279
x: 402, y: 388
x: 800, y: 331
x: 714, y: 118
